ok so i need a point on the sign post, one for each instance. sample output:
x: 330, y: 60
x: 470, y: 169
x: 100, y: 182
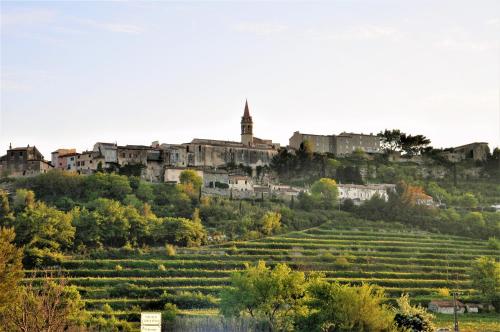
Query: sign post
x: 150, y: 321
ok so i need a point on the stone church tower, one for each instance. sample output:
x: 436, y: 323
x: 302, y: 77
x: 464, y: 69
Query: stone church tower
x: 246, y: 127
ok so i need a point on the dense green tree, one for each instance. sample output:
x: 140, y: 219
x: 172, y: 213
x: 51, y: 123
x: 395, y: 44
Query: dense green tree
x: 468, y: 201
x: 24, y: 198
x: 179, y: 231
x: 11, y: 269
x: 44, y: 231
x: 485, y: 276
x: 270, y: 222
x: 88, y: 228
x: 190, y: 176
x: 54, y: 185
x: 6, y: 214
x: 273, y: 296
x: 413, y: 145
x: 325, y: 192
x: 338, y: 308
x: 114, y: 222
x: 410, y: 318
x: 170, y: 201
x: 103, y: 185
x: 391, y: 140
x: 54, y: 306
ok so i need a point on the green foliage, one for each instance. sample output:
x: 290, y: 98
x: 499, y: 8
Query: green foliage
x: 485, y: 276
x: 336, y: 307
x: 170, y: 250
x: 6, y: 215
x: 11, y: 268
x: 190, y: 177
x: 395, y: 140
x: 54, y: 306
x: 325, y: 192
x: 271, y: 223
x: 180, y: 231
x: 274, y: 296
x: 24, y: 199
x: 170, y: 311
x: 494, y: 243
x: 44, y: 231
x: 412, y: 318
x: 105, y: 185
x: 467, y: 200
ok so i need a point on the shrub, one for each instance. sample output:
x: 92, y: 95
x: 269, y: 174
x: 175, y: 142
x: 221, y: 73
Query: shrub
x: 494, y: 243
x: 170, y: 310
x: 233, y: 250
x: 118, y: 267
x: 161, y: 267
x: 328, y: 257
x: 444, y: 292
x: 170, y: 249
x: 342, y: 261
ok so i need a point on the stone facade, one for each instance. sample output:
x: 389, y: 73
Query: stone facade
x: 132, y: 155
x: 23, y: 161
x: 446, y: 307
x: 360, y: 193
x: 214, y: 153
x: 88, y: 161
x: 239, y: 182
x: 59, y: 153
x: 338, y: 145
x: 347, y: 143
x: 108, y: 151
x: 475, y: 151
x: 319, y: 143
x: 68, y: 162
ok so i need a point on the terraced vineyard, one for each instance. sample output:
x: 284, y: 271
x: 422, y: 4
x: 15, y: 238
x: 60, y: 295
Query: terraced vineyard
x: 389, y: 255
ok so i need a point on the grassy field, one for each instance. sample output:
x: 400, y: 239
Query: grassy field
x: 389, y: 255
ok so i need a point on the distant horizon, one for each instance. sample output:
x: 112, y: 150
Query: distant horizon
x: 74, y: 73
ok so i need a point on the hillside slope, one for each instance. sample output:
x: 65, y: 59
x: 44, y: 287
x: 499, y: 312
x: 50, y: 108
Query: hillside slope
x: 387, y: 254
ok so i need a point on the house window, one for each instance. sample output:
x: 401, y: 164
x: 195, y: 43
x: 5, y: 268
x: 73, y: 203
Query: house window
x: 20, y: 154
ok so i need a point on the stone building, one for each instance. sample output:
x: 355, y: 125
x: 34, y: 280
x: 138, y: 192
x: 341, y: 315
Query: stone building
x: 338, y: 145
x: 251, y: 151
x: 132, y: 154
x: 109, y: 151
x: 87, y: 162
x: 446, y: 307
x: 59, y: 153
x: 240, y: 182
x: 246, y: 127
x: 475, y: 151
x: 68, y: 162
x: 359, y: 193
x: 319, y: 143
x: 23, y: 161
x: 347, y: 143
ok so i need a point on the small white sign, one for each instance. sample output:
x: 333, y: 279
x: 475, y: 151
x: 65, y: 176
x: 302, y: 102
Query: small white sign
x: 150, y: 321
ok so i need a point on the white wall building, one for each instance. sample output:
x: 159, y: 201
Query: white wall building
x: 359, y: 193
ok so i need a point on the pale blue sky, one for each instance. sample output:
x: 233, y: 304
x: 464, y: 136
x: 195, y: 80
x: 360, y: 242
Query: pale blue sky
x: 74, y: 73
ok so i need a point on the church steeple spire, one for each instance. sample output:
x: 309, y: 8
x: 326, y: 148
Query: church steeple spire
x: 246, y: 113
x: 246, y: 126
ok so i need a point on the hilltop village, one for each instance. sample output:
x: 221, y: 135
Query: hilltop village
x: 239, y: 169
